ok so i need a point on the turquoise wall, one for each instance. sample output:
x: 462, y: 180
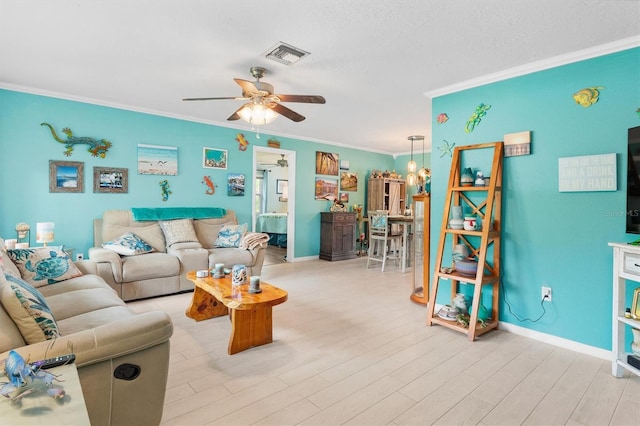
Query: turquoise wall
x: 27, y: 148
x: 552, y: 237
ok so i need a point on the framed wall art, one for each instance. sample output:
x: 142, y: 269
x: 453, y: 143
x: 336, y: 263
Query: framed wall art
x: 326, y: 163
x: 282, y: 186
x: 66, y: 176
x: 110, y: 180
x: 326, y: 188
x: 635, y: 305
x: 348, y: 181
x: 214, y: 158
x: 235, y: 185
x: 157, y: 160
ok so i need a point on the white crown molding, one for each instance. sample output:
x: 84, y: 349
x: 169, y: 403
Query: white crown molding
x: 91, y: 101
x: 556, y: 61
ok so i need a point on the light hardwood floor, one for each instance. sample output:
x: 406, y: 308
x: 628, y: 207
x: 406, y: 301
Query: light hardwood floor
x: 351, y: 348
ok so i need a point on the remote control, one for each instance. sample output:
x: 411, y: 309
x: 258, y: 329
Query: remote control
x: 54, y: 362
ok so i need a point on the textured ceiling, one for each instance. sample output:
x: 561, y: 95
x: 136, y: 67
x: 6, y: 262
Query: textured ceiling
x: 373, y: 60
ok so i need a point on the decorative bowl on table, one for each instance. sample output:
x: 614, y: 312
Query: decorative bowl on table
x: 466, y: 266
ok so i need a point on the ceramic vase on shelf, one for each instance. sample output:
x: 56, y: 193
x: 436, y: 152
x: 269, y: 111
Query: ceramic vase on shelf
x: 466, y: 178
x: 456, y: 221
x: 483, y: 313
x: 459, y: 252
x: 460, y: 302
x: 470, y: 223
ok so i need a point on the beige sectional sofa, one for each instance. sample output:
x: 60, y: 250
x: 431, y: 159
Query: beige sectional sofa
x: 103, y: 333
x: 163, y: 271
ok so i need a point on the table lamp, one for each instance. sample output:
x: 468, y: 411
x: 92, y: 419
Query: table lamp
x: 44, y: 232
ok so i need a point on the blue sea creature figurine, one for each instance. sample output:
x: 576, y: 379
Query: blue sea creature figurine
x: 24, y: 379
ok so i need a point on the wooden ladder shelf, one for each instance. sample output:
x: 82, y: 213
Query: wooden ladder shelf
x: 484, y: 202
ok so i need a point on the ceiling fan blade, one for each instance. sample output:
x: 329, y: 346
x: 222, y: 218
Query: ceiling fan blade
x: 283, y: 110
x: 212, y: 99
x: 247, y: 86
x: 307, y: 99
x: 235, y: 115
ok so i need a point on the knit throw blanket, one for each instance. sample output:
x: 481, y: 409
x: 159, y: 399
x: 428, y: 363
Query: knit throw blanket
x: 170, y: 213
x: 252, y: 240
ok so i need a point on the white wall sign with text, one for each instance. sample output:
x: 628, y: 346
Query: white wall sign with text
x: 587, y: 173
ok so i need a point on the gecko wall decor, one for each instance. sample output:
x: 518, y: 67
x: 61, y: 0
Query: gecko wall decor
x: 97, y: 148
x: 211, y: 186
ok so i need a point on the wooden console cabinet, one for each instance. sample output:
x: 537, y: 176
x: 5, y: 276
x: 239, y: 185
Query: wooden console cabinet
x: 338, y: 233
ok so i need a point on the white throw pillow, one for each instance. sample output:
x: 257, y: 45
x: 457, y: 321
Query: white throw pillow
x: 178, y: 231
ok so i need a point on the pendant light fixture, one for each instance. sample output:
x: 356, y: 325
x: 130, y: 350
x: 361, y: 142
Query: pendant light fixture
x: 423, y: 172
x: 411, y: 166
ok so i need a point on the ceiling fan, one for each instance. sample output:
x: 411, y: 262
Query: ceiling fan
x: 263, y: 103
x: 283, y: 162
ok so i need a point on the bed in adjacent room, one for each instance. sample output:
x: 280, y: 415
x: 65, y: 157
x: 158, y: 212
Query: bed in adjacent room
x: 274, y: 224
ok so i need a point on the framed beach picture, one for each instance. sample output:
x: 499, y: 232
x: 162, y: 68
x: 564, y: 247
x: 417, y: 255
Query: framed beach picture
x: 213, y: 158
x: 157, y: 160
x: 110, y: 180
x: 66, y: 176
x: 235, y: 185
x: 327, y: 163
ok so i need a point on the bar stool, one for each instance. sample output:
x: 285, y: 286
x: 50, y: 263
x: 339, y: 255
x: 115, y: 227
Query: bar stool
x: 383, y: 244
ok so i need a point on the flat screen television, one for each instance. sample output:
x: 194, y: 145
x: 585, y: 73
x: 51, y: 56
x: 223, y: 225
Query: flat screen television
x: 633, y: 181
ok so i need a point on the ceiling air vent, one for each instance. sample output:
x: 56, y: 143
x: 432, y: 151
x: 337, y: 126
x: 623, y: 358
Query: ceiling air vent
x: 285, y: 53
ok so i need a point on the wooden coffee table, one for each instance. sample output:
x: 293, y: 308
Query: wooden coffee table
x: 251, y: 323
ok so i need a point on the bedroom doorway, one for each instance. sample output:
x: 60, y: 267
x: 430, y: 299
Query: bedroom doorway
x: 273, y: 196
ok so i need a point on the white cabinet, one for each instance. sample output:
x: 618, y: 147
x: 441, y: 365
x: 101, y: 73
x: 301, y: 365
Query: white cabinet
x: 626, y: 266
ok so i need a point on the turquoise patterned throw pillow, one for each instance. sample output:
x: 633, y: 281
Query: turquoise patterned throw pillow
x: 28, y: 310
x: 40, y: 266
x: 231, y: 235
x: 128, y: 244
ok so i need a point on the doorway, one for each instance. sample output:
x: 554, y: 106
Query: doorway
x: 267, y: 161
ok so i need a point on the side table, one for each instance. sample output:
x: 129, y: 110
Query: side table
x: 41, y: 409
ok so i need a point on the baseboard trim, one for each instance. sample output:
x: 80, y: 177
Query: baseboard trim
x: 553, y: 340
x: 303, y: 259
x: 557, y: 341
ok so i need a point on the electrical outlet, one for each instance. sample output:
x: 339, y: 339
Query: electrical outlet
x: 546, y: 293
x: 79, y: 256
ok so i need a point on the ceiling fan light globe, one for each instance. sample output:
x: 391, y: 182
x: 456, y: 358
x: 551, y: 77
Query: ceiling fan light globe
x: 257, y: 114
